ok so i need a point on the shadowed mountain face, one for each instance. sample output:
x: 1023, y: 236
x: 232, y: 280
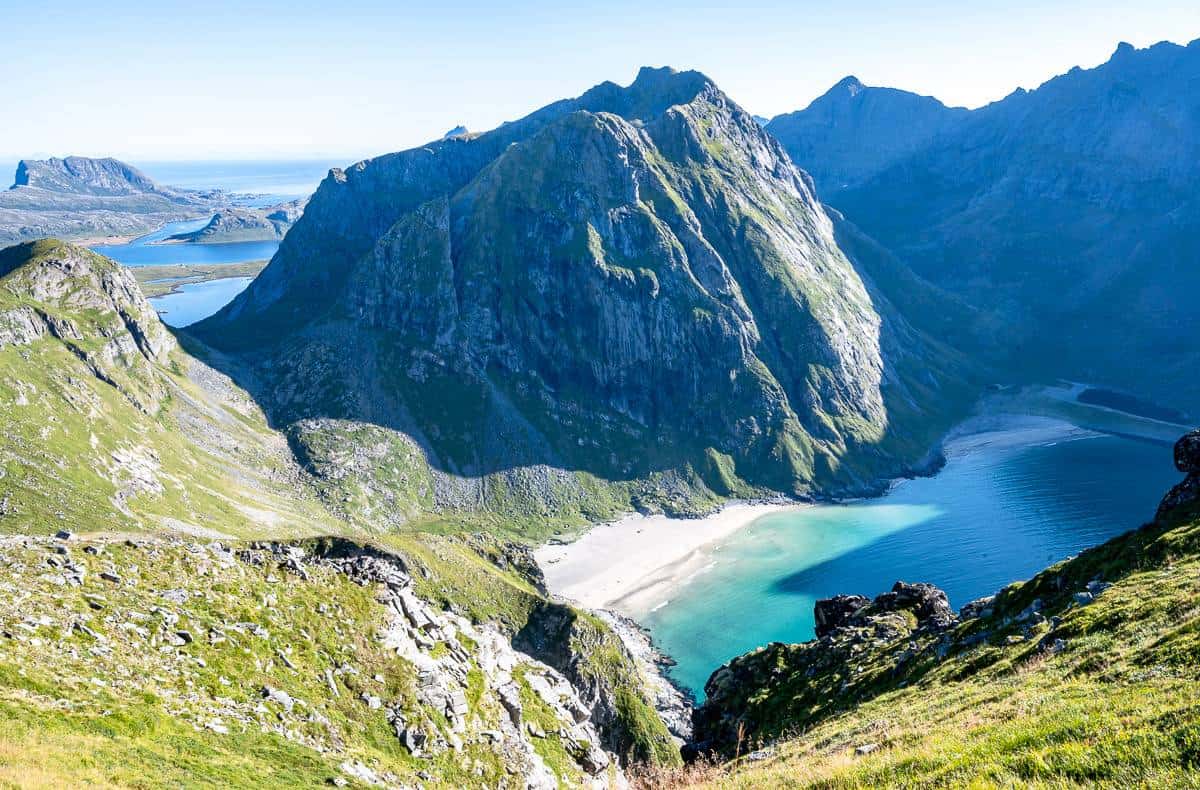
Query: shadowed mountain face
x: 854, y: 131
x: 633, y: 283
x: 1068, y: 214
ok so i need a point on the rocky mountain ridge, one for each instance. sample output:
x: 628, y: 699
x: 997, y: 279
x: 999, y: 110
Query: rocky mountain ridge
x: 853, y: 131
x: 242, y: 223
x: 1065, y: 214
x: 140, y: 456
x: 631, y: 298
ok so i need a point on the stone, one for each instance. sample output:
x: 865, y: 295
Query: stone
x: 866, y: 748
x: 109, y: 576
x: 1082, y: 598
x: 980, y: 607
x: 63, y: 534
x: 185, y: 636
x: 1187, y: 453
x: 279, y: 697
x: 928, y: 603
x: 831, y: 614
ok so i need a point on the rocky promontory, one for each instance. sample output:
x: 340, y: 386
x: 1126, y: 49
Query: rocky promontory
x: 77, y: 197
x: 240, y: 223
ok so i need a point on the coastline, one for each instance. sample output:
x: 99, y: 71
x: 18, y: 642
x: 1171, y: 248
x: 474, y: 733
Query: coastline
x: 614, y: 565
x: 630, y: 564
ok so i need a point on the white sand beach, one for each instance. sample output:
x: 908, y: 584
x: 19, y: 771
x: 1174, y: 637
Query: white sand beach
x: 633, y: 564
x: 623, y: 563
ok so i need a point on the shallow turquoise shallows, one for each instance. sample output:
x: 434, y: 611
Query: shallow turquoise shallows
x: 197, y: 301
x: 994, y: 514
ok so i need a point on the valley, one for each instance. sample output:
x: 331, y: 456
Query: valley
x: 636, y: 442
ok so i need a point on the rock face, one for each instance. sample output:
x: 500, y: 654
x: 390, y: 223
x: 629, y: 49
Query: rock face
x: 78, y: 196
x: 80, y: 175
x: 1067, y: 213
x: 62, y: 276
x: 831, y: 614
x: 247, y: 224
x: 753, y: 695
x: 854, y: 131
x: 442, y: 682
x: 636, y: 283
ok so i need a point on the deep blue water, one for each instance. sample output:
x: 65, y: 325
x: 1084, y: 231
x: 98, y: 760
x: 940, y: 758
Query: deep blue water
x: 141, y: 252
x: 196, y: 301
x: 995, y: 514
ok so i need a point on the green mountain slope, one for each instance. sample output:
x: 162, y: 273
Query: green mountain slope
x: 627, y: 299
x: 138, y: 455
x: 109, y: 425
x: 1086, y: 674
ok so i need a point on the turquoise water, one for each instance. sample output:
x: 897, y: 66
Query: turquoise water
x: 197, y: 301
x: 993, y: 515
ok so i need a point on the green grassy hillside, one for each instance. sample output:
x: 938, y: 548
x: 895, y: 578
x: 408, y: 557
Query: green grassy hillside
x: 140, y: 646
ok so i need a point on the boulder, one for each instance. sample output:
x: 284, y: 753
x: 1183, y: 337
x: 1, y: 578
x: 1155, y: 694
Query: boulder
x: 928, y: 603
x: 831, y: 614
x: 1187, y: 453
x: 1187, y: 493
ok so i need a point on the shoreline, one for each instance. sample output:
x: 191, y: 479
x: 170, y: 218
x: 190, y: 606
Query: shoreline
x: 632, y: 565
x: 614, y: 564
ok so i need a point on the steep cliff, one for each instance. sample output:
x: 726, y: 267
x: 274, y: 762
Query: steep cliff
x: 634, y: 291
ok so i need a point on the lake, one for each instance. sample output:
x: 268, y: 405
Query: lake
x: 270, y: 183
x: 196, y: 301
x: 1006, y: 505
x: 142, y: 252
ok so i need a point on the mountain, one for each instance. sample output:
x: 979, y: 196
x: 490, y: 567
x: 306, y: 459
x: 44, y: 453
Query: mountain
x: 853, y: 131
x: 628, y: 298
x: 1066, y: 214
x: 153, y: 525
x: 79, y: 175
x: 237, y: 223
x: 81, y: 197
x: 1080, y: 676
x: 109, y: 424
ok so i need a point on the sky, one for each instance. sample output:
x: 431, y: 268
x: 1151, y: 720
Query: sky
x: 291, y: 80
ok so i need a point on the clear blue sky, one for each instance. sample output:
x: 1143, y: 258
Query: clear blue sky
x: 217, y: 79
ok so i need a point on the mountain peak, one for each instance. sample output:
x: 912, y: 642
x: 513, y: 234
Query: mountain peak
x: 1123, y: 48
x: 850, y: 84
x: 83, y: 175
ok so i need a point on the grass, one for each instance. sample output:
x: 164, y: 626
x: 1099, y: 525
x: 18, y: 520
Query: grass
x: 162, y: 280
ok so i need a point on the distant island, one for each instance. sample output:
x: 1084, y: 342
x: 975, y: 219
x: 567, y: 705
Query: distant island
x: 87, y: 199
